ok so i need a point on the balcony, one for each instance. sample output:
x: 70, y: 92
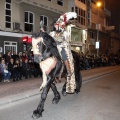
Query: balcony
x: 51, y: 6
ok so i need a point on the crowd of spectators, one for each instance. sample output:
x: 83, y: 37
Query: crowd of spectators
x: 92, y: 61
x: 18, y: 66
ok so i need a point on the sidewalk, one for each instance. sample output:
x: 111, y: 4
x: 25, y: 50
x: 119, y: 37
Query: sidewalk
x: 16, y: 91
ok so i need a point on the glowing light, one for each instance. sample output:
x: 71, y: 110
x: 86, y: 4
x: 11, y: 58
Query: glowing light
x: 77, y: 48
x: 98, y: 4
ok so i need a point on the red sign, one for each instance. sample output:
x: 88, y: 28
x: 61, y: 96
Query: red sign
x: 26, y: 39
x: 29, y: 40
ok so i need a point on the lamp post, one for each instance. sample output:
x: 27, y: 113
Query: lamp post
x: 98, y: 4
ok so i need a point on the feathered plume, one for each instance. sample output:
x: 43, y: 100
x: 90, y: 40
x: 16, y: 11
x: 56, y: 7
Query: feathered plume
x: 64, y: 19
x: 67, y: 16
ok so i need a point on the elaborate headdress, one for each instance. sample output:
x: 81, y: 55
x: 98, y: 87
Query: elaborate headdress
x: 64, y: 19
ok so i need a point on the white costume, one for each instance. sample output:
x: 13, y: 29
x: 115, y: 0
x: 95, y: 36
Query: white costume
x: 63, y: 38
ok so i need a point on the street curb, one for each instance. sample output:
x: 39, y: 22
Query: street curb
x: 95, y: 77
x: 18, y: 98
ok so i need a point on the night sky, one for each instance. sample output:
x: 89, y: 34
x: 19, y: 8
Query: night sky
x: 114, y: 7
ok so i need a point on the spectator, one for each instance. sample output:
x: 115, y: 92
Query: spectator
x: 7, y: 57
x: 21, y: 68
x: 11, y: 68
x: 15, y: 56
x: 4, y: 71
x: 0, y: 56
x: 26, y: 69
x: 31, y: 57
x: 26, y: 53
x: 24, y: 57
x: 32, y: 68
x: 18, y: 70
x: 20, y: 55
x: 87, y: 66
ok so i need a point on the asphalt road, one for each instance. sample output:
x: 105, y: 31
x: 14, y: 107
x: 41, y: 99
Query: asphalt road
x: 99, y: 99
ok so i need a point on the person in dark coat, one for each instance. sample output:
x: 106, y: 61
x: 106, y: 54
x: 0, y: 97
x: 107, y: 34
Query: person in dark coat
x: 15, y: 56
x: 26, y: 69
x: 18, y: 70
x: 11, y: 68
x: 7, y: 57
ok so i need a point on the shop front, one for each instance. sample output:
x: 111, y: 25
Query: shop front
x: 12, y: 42
x: 78, y: 38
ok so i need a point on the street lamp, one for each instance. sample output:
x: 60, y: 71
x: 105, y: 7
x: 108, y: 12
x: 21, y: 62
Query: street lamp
x: 98, y: 4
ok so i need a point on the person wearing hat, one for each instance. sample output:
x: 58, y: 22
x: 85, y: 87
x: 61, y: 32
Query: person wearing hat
x: 61, y: 36
x: 60, y: 39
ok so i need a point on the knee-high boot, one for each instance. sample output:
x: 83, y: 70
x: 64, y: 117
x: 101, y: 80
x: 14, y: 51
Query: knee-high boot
x: 68, y: 68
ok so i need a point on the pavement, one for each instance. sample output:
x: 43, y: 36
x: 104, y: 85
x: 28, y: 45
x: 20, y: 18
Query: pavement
x: 15, y: 91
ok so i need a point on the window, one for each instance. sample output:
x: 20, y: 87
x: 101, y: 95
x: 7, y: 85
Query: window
x: 83, y: 1
x: 8, y: 14
x: 72, y: 9
x: 92, y: 35
x: 8, y: 1
x: 107, y: 22
x: 76, y: 35
x: 89, y: 15
x: 8, y: 45
x: 81, y: 15
x: 28, y: 22
x: 44, y: 19
x: 93, y: 1
x: 60, y: 2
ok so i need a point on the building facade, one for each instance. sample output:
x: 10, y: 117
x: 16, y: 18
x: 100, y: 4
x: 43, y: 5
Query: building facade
x: 100, y: 29
x: 79, y: 28
x: 97, y: 23
x: 21, y: 18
